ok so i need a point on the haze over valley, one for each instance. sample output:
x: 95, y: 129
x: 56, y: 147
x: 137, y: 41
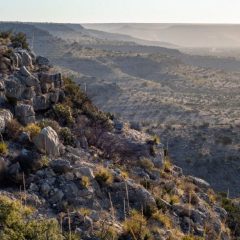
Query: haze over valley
x: 191, y: 101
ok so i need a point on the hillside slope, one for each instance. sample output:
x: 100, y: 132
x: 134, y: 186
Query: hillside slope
x: 70, y: 171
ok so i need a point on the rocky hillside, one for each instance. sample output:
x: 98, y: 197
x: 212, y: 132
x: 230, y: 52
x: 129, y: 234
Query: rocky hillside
x: 70, y: 171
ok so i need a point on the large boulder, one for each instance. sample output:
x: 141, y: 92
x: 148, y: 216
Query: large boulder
x: 28, y: 79
x: 42, y: 102
x: 42, y: 61
x: 5, y: 116
x: 25, y: 113
x: 13, y: 88
x: 138, y: 195
x: 24, y: 58
x: 47, y: 142
x: 55, y: 79
x: 199, y: 182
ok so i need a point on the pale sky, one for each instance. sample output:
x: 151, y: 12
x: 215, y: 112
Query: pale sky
x: 103, y: 11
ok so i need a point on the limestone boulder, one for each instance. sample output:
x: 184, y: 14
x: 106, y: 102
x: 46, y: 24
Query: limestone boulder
x: 28, y: 79
x: 47, y: 142
x: 5, y: 116
x: 14, y: 88
x: 41, y: 102
x: 25, y: 113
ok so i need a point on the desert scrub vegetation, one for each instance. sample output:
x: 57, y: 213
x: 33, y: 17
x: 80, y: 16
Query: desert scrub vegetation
x: 106, y: 232
x: 44, y: 161
x: 19, y: 40
x: 163, y: 219
x: 103, y: 176
x: 146, y: 164
x: 77, y: 100
x: 136, y: 226
x: 167, y: 165
x: 3, y: 148
x: 17, y: 223
x: 63, y: 113
x: 66, y: 136
x: 85, y: 181
x: 13, y: 129
x: 49, y: 123
x: 33, y: 129
x: 233, y: 218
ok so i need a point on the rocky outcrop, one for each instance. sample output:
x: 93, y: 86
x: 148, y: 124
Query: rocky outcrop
x: 25, y: 113
x: 47, y: 142
x: 106, y: 170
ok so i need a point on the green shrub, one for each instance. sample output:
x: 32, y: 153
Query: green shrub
x: 233, y: 218
x: 3, y: 148
x: 19, y: 40
x: 74, y: 93
x: 5, y: 34
x: 17, y: 223
x: 66, y: 136
x: 63, y: 113
x: 78, y: 100
x: 49, y: 123
x: 33, y: 129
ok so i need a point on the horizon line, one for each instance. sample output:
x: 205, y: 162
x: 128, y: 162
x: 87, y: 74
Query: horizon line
x: 186, y: 23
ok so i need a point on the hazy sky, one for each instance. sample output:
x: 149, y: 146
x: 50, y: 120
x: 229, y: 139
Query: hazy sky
x: 83, y: 11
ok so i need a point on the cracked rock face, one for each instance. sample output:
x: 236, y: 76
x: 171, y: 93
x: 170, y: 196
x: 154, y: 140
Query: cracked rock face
x: 25, y: 113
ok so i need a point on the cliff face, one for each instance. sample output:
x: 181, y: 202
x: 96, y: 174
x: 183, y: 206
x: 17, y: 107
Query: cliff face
x: 86, y: 171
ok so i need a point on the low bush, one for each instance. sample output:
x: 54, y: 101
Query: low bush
x: 5, y: 34
x: 13, y: 129
x: 33, y: 129
x: 85, y: 181
x: 66, y: 136
x: 44, y: 161
x: 233, y: 218
x: 3, y: 148
x: 49, y: 123
x: 146, y: 164
x: 136, y: 226
x: 63, y: 114
x: 104, y: 176
x: 78, y: 100
x: 19, y: 40
x: 167, y: 165
x: 17, y: 223
x: 163, y: 219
